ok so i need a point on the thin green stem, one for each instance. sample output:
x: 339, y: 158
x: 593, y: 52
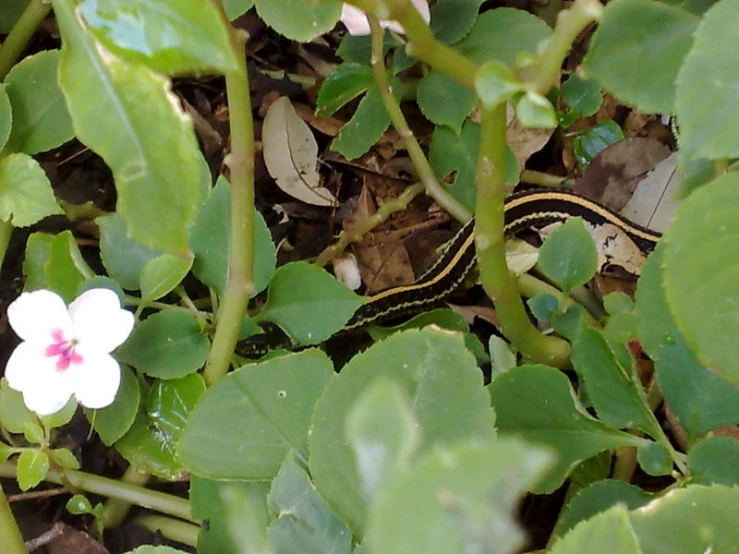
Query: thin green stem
x: 112, y: 488
x: 11, y: 540
x: 21, y: 33
x: 544, y: 73
x: 496, y: 278
x: 425, y: 173
x: 240, y: 284
x: 530, y: 286
x: 6, y: 230
x: 173, y: 529
x: 116, y: 510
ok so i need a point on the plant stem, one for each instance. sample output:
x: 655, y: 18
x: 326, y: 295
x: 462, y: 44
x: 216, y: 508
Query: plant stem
x: 155, y: 500
x: 21, y: 33
x: 11, y: 540
x: 6, y: 230
x: 495, y: 276
x: 115, y: 510
x: 425, y: 173
x: 240, y: 284
x: 173, y: 529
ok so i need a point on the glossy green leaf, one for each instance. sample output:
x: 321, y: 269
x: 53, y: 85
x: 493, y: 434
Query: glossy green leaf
x: 434, y: 369
x: 78, y: 505
x: 366, y: 126
x: 49, y: 264
x: 638, y: 49
x: 209, y: 242
x: 161, y: 275
x: 538, y: 404
x: 701, y: 400
x: 703, y: 295
x: 261, y: 411
x: 114, y: 421
x: 40, y: 117
x: 236, y: 512
x: 714, y: 460
x: 299, y: 20
x: 6, y: 116
x: 25, y: 191
x: 34, y: 433
x: 151, y: 449
x: 706, y: 87
x: 235, y: 8
x: 64, y: 458
x: 32, y: 466
x: 593, y: 141
x: 128, y: 115
x: 304, y: 521
x: 568, y: 256
x: 308, y: 303
x: 582, y: 95
x: 343, y: 85
x: 167, y: 345
x: 383, y: 433
x: 458, y: 498
x: 196, y: 39
x: 146, y: 549
x: 170, y: 403
x: 451, y: 20
x: 444, y: 101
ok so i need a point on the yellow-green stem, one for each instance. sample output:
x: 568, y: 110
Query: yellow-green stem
x: 172, y: 529
x: 11, y: 540
x: 425, y: 173
x: 496, y: 278
x: 116, y: 510
x: 21, y: 33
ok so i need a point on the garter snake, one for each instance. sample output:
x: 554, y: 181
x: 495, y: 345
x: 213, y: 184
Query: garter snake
x: 535, y: 208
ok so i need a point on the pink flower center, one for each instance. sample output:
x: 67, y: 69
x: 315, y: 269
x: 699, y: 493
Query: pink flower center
x: 64, y: 350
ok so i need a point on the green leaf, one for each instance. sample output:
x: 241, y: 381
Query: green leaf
x: 609, y: 531
x: 128, y: 115
x: 122, y: 256
x: 501, y: 357
x: 62, y: 416
x: 151, y: 449
x: 701, y: 400
x: 304, y: 521
x: 50, y: 264
x: 458, y: 498
x: 14, y: 416
x: 34, y: 433
x: 170, y: 403
x: 707, y: 85
x: 654, y: 459
x: 157, y: 550
x: 568, y: 256
x: 236, y: 512
x: 618, y: 303
x: 6, y: 116
x: 209, y: 240
x: 168, y: 344
x: 5, y: 452
x: 114, y: 421
x: 444, y: 101
x: 714, y: 460
x: 502, y: 34
x: 383, y: 433
x: 534, y: 110
x: 599, y: 497
x: 31, y: 468
x: 299, y: 20
x: 637, y: 51
x: 613, y: 387
x: 196, y: 39
x: 261, y: 411
x: 366, y: 126
x: 235, y: 8
x: 434, y: 369
x: 308, y: 303
x: 343, y: 85
x: 161, y: 275
x: 78, y: 505
x: 25, y: 191
x: 593, y: 141
x: 496, y: 83
x: 582, y: 95
x: 64, y: 458
x: 451, y: 20
x: 40, y: 117
x: 538, y: 404
x: 703, y: 295
x: 441, y: 317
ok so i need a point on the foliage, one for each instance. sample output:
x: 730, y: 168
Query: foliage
x: 405, y: 448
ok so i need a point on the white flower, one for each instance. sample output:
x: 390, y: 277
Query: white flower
x: 64, y: 351
x: 356, y: 22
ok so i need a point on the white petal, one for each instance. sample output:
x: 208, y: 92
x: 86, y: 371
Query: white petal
x: 99, y: 320
x: 423, y: 8
x: 46, y: 400
x: 96, y: 381
x: 354, y: 20
x: 29, y: 368
x: 34, y: 315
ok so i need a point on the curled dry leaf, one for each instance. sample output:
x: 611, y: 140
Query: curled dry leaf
x: 291, y: 154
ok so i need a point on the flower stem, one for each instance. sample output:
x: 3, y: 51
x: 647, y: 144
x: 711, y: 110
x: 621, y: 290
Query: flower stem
x: 425, y: 173
x: 495, y: 276
x: 173, y: 529
x: 112, y: 488
x: 11, y: 540
x: 21, y: 33
x: 6, y: 230
x: 240, y: 284
x: 115, y: 510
